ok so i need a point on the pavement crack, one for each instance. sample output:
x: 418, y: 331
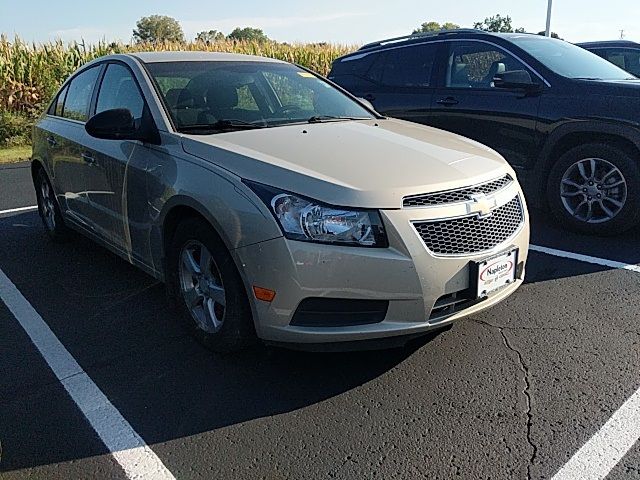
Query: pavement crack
x: 526, y: 391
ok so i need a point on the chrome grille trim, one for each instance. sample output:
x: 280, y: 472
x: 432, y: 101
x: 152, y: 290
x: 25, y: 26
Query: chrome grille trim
x: 456, y: 195
x: 472, y: 234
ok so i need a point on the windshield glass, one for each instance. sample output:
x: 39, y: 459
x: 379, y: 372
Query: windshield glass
x: 569, y: 60
x: 230, y: 95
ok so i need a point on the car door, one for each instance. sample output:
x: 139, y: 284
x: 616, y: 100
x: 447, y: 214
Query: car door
x: 65, y: 138
x: 400, y: 81
x: 116, y: 167
x: 467, y: 102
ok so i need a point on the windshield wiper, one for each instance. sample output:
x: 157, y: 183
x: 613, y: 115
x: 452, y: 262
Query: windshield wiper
x: 223, y: 124
x: 329, y: 118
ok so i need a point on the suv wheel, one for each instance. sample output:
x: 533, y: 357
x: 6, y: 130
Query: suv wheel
x: 48, y: 207
x: 595, y: 189
x: 209, y: 290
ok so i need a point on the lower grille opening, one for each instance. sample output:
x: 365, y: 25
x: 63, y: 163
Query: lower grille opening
x: 339, y: 312
x: 452, y: 303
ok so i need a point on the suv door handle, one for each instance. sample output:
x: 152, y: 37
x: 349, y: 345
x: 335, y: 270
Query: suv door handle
x: 447, y: 102
x: 51, y: 141
x: 369, y: 97
x: 88, y: 158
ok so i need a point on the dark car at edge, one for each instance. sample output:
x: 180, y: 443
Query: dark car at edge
x: 567, y: 120
x: 623, y: 53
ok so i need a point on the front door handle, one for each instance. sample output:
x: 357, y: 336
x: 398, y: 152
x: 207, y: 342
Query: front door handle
x: 88, y: 158
x: 447, y: 102
x: 51, y: 141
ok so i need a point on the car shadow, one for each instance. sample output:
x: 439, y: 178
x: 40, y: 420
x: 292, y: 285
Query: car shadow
x: 119, y: 325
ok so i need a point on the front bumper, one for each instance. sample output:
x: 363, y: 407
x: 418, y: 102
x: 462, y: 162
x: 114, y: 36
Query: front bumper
x: 406, y: 274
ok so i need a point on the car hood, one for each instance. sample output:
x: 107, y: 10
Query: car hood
x: 370, y: 163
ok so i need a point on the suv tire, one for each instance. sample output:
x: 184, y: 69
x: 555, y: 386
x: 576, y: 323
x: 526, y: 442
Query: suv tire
x: 574, y: 186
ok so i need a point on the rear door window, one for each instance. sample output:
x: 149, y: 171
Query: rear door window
x: 76, y: 105
x: 410, y: 66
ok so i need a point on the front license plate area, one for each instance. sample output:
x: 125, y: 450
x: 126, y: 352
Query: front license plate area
x: 495, y: 272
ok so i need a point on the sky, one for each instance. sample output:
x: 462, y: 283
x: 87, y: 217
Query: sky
x: 337, y: 21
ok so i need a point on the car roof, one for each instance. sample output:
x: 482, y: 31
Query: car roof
x: 181, y: 56
x: 469, y: 33
x: 609, y: 43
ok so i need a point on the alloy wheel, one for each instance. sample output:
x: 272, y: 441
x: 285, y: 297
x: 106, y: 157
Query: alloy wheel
x: 47, y: 200
x: 201, y: 286
x: 593, y: 190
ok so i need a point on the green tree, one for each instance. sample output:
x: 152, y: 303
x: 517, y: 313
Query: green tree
x: 248, y: 34
x: 158, y: 28
x: 497, y: 23
x: 210, y: 36
x: 428, y: 27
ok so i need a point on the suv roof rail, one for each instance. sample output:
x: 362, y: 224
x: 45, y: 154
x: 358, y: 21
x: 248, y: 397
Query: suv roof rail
x: 418, y: 35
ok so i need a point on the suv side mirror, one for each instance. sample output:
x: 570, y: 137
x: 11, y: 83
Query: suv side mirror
x: 119, y: 124
x: 516, y: 79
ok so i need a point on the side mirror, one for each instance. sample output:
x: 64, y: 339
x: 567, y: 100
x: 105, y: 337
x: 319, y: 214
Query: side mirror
x: 515, y: 79
x: 116, y: 124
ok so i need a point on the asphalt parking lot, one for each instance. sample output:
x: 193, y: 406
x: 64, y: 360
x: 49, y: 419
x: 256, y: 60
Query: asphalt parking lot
x: 514, y: 392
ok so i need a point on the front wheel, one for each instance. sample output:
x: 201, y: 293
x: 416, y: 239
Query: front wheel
x: 208, y: 287
x: 595, y: 189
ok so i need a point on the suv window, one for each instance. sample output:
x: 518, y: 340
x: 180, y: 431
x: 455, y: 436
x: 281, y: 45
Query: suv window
x: 404, y: 67
x: 119, y: 90
x: 625, y: 58
x: 76, y: 105
x: 474, y: 64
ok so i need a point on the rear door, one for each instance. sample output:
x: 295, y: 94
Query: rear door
x: 400, y: 81
x: 116, y: 167
x: 468, y: 103
x: 66, y: 138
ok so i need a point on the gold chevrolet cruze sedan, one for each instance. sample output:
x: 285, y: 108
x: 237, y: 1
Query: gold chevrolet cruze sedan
x: 275, y: 205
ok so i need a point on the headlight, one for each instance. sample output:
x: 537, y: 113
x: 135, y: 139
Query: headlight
x: 308, y: 220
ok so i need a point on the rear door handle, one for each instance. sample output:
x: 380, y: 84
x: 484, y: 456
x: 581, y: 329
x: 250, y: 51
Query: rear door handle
x: 369, y: 97
x: 447, y: 102
x: 51, y: 141
x: 88, y: 158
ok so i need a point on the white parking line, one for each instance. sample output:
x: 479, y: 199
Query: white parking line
x: 127, y: 447
x: 610, y: 444
x: 585, y: 258
x: 20, y: 209
x: 606, y: 448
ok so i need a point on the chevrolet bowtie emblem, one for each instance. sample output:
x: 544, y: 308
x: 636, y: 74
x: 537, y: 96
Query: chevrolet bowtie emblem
x: 482, y: 205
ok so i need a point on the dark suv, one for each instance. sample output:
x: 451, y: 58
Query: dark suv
x: 567, y: 120
x: 622, y: 53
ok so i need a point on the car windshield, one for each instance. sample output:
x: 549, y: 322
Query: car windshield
x: 218, y: 96
x: 569, y: 60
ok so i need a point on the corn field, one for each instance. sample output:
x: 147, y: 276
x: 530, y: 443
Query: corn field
x: 30, y: 74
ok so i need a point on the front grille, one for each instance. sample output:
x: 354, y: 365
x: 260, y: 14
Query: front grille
x: 472, y: 234
x: 457, y: 195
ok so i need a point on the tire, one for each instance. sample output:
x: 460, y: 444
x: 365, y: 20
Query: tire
x: 212, y: 301
x: 605, y: 202
x: 48, y: 208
